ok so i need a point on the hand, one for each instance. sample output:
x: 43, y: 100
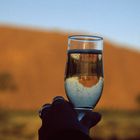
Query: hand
x: 60, y: 117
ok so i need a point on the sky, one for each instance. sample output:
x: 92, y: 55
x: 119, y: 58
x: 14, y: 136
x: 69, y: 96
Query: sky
x: 116, y: 20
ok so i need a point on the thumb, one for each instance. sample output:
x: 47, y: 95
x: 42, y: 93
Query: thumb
x: 90, y: 119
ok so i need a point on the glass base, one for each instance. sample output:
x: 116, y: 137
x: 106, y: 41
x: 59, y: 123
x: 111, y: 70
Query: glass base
x: 81, y: 111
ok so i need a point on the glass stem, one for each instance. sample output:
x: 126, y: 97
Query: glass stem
x: 81, y: 114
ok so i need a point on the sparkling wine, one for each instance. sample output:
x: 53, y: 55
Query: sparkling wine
x: 84, y: 77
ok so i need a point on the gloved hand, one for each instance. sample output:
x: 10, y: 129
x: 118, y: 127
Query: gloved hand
x: 59, y: 121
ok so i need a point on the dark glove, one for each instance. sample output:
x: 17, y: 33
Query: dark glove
x: 59, y: 121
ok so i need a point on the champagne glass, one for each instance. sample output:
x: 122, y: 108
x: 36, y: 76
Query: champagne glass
x: 84, y: 72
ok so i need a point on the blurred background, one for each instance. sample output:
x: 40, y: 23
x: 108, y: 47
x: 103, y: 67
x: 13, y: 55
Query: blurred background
x: 33, y: 44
